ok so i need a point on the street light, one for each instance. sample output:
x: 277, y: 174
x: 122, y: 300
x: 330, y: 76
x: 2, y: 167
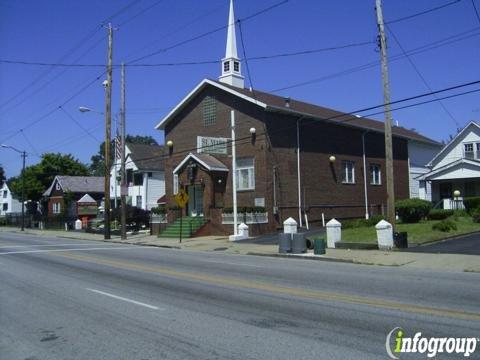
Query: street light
x: 23, y: 155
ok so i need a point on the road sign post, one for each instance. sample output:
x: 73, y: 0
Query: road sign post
x: 181, y: 198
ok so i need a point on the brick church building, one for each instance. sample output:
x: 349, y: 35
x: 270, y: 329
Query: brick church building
x: 293, y: 159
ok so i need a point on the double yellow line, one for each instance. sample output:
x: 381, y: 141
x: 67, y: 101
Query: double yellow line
x: 277, y: 289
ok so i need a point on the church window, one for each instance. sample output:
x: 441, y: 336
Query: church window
x: 209, y: 111
x: 236, y: 66
x: 226, y: 66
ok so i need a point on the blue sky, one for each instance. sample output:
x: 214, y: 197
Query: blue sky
x: 60, y: 31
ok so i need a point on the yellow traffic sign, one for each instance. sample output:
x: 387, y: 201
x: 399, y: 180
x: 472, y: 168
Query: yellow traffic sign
x: 181, y: 198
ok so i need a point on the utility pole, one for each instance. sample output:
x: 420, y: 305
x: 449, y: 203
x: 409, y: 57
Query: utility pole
x: 388, y: 117
x: 108, y: 125
x: 234, y: 177
x: 123, y: 187
x: 24, y: 155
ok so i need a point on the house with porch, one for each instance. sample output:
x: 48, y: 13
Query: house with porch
x: 455, y: 168
x: 65, y: 192
x: 293, y: 159
x: 145, y: 175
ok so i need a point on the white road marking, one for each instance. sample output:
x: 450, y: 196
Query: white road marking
x: 64, y: 250
x: 124, y: 299
x: 42, y: 245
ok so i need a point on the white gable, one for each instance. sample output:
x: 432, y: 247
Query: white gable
x: 454, y: 150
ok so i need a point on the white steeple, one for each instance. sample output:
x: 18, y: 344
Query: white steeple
x: 231, y: 70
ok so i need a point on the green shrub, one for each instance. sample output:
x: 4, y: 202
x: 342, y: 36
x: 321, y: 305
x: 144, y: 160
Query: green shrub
x: 471, y: 203
x: 444, y: 226
x: 375, y: 219
x: 439, y: 214
x: 412, y: 210
x: 475, y: 215
x: 159, y: 210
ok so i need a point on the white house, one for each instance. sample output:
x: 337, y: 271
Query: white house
x: 455, y: 168
x: 8, y: 204
x: 144, y: 166
x: 419, y: 155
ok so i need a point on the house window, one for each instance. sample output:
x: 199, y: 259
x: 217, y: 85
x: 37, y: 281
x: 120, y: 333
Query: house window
x: 56, y: 208
x: 138, y: 179
x: 129, y: 177
x: 236, y: 66
x: 375, y: 175
x: 139, y: 200
x: 150, y: 174
x: 175, y: 184
x: 469, y: 154
x: 209, y: 111
x: 245, y: 174
x: 5, y: 193
x: 5, y: 207
x: 348, y: 169
x: 226, y: 66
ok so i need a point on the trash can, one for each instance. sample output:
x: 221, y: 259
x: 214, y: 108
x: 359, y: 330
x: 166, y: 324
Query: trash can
x: 299, y: 243
x: 319, y: 246
x: 400, y: 239
x: 284, y: 243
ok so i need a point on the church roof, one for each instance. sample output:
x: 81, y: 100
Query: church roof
x: 274, y: 103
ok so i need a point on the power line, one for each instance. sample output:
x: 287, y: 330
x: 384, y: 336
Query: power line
x: 421, y: 76
x: 476, y: 11
x: 260, y: 57
x: 183, y: 42
x: 78, y: 124
x: 423, y: 12
x: 424, y: 48
x: 352, y: 115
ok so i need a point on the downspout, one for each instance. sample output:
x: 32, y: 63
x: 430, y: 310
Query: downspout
x: 365, y: 175
x: 298, y: 174
x: 146, y: 191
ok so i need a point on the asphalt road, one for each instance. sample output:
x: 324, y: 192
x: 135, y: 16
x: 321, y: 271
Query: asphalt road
x: 71, y: 299
x: 467, y: 245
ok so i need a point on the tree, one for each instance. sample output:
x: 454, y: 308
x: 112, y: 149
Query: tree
x: 97, y: 165
x: 40, y: 176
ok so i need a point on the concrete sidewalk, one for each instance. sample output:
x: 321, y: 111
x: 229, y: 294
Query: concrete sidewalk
x: 441, y: 262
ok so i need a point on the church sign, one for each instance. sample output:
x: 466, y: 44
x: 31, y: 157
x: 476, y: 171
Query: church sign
x: 212, y: 145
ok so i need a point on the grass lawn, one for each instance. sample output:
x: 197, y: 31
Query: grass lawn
x: 417, y: 233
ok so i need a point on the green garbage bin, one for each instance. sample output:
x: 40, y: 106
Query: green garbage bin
x: 319, y: 246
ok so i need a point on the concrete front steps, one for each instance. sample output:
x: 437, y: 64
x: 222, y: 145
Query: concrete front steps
x: 190, y: 225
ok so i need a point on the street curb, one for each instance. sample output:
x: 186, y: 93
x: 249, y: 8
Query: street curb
x: 288, y: 256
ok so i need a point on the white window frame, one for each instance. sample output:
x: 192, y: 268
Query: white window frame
x: 250, y: 171
x: 345, y: 172
x: 175, y: 184
x: 375, y: 174
x: 57, y: 208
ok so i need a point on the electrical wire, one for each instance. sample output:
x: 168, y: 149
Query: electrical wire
x: 442, y: 105
x: 422, y: 12
x: 351, y: 116
x: 424, y: 48
x: 476, y: 11
x: 79, y: 125
x: 197, y: 37
x: 260, y: 57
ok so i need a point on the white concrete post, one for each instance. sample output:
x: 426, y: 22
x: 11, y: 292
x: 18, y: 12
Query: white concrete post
x: 384, y: 235
x: 290, y: 226
x: 334, y: 233
x: 243, y: 230
x: 78, y: 224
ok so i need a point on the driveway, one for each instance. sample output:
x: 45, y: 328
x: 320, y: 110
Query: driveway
x: 467, y: 245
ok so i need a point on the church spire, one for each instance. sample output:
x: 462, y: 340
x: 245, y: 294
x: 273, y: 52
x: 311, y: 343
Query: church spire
x: 231, y: 70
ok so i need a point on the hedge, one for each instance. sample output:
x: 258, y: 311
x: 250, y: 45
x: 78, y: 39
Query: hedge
x: 445, y: 226
x: 439, y: 214
x: 471, y: 203
x: 412, y: 210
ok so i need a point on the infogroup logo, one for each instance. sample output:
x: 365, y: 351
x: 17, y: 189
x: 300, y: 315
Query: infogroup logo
x: 429, y: 346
